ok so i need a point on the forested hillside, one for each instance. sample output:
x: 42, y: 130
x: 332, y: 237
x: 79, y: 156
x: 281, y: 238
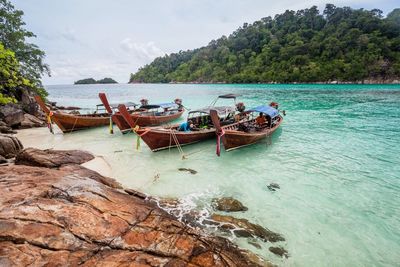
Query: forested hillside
x: 339, y: 44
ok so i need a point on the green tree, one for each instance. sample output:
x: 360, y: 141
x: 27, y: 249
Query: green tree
x: 14, y: 36
x: 11, y: 79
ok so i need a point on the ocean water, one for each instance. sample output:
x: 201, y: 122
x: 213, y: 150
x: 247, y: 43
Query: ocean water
x: 335, y: 157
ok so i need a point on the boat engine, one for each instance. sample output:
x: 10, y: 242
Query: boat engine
x: 178, y: 101
x: 144, y: 102
x: 240, y: 107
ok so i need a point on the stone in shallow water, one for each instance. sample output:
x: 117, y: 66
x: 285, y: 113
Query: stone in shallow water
x: 229, y: 222
x: 280, y: 251
x: 187, y: 170
x: 254, y: 244
x: 228, y: 204
x: 242, y: 233
x: 273, y: 186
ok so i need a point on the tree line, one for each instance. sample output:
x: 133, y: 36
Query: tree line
x: 339, y: 44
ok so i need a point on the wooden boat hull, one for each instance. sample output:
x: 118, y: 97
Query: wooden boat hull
x: 69, y: 122
x: 144, y: 120
x: 233, y: 139
x: 163, y: 138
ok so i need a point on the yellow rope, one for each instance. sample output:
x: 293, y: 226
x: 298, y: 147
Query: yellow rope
x: 111, y: 128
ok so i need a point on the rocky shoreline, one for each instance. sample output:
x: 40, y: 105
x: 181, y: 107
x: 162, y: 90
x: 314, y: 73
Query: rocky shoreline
x: 55, y: 211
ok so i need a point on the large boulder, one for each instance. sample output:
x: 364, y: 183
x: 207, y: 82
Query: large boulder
x: 10, y: 146
x: 31, y: 121
x: 28, y: 102
x: 11, y: 114
x: 4, y: 128
x: 50, y: 158
x: 52, y: 217
x: 228, y: 204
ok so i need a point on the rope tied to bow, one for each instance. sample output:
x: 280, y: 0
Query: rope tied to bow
x: 219, y: 135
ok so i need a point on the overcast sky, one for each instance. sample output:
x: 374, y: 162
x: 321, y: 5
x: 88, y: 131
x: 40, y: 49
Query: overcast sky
x: 112, y: 38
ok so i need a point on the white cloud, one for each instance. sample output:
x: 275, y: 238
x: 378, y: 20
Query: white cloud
x: 143, y: 51
x: 69, y: 34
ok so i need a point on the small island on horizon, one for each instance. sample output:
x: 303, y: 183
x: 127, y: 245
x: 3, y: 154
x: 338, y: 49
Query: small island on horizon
x: 93, y: 81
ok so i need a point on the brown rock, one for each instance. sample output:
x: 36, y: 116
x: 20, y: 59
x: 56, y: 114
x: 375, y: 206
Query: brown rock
x: 3, y: 160
x: 10, y: 146
x: 29, y: 103
x: 135, y: 193
x: 228, y: 204
x: 82, y: 171
x: 4, y: 128
x: 31, y: 121
x: 229, y: 222
x: 280, y: 251
x: 62, y: 217
x: 11, y: 114
x: 7, y: 130
x: 52, y: 158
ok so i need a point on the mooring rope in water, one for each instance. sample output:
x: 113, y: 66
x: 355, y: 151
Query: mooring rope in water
x: 178, y: 145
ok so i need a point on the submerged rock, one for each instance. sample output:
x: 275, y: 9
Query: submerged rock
x: 251, y: 229
x: 273, y: 186
x: 69, y: 217
x: 50, y: 158
x: 10, y: 146
x: 255, y: 244
x: 187, y: 170
x: 228, y: 204
x: 280, y: 251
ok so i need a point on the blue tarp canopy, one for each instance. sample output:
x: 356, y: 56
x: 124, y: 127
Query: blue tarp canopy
x: 270, y: 111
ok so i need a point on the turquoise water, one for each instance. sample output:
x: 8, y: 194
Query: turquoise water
x: 336, y: 159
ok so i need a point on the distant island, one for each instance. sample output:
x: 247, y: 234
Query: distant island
x: 340, y: 44
x: 93, y: 81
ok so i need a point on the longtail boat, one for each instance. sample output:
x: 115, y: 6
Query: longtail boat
x: 249, y: 130
x: 72, y: 122
x: 145, y: 115
x: 202, y: 128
